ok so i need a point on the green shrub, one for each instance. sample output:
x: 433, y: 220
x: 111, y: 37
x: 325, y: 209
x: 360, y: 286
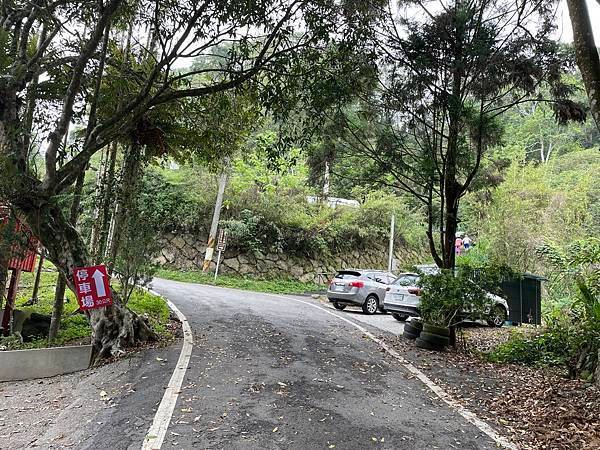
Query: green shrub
x: 577, y: 268
x: 252, y: 232
x: 549, y: 348
x: 447, y: 294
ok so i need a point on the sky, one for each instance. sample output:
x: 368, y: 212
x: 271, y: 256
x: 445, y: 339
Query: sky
x: 565, y: 32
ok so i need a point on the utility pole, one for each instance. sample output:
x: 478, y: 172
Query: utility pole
x: 391, y: 249
x: 212, y: 235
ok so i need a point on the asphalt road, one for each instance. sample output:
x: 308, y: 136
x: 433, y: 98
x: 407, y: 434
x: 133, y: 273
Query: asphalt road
x: 381, y: 322
x: 269, y: 372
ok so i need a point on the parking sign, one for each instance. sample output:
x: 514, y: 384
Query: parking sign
x: 92, y: 287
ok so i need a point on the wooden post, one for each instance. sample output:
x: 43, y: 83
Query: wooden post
x: 10, y: 300
x: 3, y: 279
x: 36, y: 284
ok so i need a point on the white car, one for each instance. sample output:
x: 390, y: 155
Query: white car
x: 403, y: 298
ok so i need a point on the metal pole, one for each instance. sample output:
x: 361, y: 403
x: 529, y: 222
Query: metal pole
x: 217, y: 268
x: 391, y: 250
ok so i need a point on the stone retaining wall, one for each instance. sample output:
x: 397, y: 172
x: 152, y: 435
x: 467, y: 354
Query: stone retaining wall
x: 186, y: 252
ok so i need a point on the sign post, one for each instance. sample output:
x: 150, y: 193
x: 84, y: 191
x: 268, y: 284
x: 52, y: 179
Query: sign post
x: 221, y: 245
x: 391, y: 250
x: 92, y: 287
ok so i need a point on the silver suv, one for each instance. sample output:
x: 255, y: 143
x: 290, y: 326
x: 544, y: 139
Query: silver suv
x: 358, y: 287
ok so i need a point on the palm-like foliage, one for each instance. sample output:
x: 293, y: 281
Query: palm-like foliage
x: 579, y: 265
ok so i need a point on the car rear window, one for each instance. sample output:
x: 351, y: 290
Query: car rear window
x: 381, y: 277
x: 346, y: 274
x: 406, y: 280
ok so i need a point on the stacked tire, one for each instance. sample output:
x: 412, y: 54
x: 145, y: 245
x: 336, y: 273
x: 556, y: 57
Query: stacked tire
x: 433, y: 337
x: 412, y: 329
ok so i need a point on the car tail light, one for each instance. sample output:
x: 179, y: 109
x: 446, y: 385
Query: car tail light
x: 414, y: 291
x: 357, y: 284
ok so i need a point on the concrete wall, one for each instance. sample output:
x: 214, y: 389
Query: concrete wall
x: 44, y: 362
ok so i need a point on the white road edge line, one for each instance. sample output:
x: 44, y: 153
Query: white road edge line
x: 157, y: 431
x: 443, y: 395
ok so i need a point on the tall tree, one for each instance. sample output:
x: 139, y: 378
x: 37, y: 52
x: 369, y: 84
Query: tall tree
x: 431, y: 117
x: 265, y: 37
x: 586, y: 53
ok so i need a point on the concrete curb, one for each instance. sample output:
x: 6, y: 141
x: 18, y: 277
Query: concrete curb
x: 157, y: 431
x: 43, y: 362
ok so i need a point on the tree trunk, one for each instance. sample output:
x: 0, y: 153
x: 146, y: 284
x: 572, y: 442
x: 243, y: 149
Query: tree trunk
x: 214, y: 226
x: 36, y: 282
x: 113, y: 328
x: 10, y: 301
x: 58, y: 307
x: 3, y: 280
x: 451, y: 221
x: 129, y: 181
x: 99, y: 192
x: 451, y: 188
x: 101, y: 229
x: 61, y: 284
x: 586, y: 54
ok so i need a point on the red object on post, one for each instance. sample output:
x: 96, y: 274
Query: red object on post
x: 92, y: 287
x: 26, y: 263
x: 23, y: 252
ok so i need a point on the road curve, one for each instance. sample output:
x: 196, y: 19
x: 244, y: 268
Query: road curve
x: 269, y: 373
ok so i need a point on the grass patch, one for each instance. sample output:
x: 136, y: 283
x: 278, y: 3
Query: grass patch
x: 74, y: 328
x: 274, y: 286
x: 143, y: 302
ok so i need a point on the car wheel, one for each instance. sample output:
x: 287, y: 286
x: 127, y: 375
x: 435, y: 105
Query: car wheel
x: 339, y: 306
x: 370, y: 305
x: 400, y: 317
x: 497, y: 316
